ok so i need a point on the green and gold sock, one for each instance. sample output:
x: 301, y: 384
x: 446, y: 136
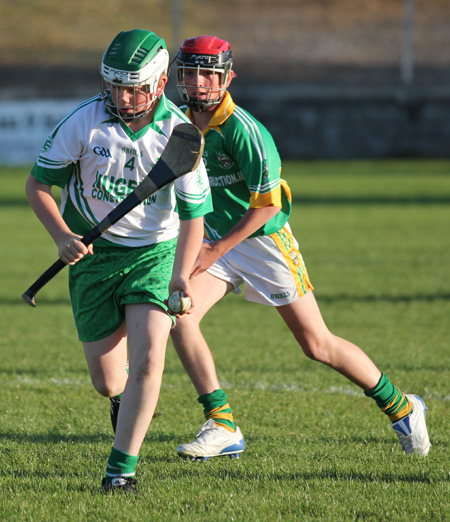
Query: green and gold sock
x: 216, y: 407
x: 120, y: 464
x: 390, y: 400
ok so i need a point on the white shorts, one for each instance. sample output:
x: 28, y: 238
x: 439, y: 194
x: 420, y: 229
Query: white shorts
x: 270, y: 267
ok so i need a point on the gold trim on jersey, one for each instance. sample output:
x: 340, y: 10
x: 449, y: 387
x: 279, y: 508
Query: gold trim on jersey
x: 272, y: 198
x: 222, y: 113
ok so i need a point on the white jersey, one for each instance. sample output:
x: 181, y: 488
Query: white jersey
x: 97, y: 161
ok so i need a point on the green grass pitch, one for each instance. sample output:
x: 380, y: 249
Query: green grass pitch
x: 375, y: 238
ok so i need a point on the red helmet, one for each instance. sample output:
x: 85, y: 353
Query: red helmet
x: 204, y: 53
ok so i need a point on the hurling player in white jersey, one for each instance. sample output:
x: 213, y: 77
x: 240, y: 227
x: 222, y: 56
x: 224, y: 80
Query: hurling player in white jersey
x: 119, y: 288
x: 249, y: 243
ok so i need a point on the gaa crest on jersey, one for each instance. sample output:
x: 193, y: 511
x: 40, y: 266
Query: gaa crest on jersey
x: 224, y: 161
x: 102, y: 151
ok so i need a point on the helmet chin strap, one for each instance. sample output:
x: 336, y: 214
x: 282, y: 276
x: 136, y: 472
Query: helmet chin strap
x: 200, y: 105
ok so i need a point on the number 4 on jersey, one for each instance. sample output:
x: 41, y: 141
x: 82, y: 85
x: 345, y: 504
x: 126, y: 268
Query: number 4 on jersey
x: 130, y: 164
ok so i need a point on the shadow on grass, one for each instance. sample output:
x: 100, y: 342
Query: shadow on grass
x: 246, y: 477
x: 345, y: 476
x: 370, y: 200
x: 80, y: 371
x: 55, y: 437
x: 18, y: 301
x: 231, y: 471
x: 443, y: 296
x: 315, y: 200
x: 235, y: 474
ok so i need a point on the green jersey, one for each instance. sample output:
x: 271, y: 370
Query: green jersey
x: 243, y: 167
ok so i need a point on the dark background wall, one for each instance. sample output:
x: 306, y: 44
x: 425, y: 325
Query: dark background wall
x: 361, y: 122
x: 329, y: 78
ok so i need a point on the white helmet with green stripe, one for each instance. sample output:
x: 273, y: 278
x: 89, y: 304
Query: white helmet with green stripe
x: 135, y: 60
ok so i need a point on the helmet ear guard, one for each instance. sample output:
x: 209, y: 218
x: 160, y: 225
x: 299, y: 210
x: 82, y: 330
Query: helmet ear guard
x: 204, y: 53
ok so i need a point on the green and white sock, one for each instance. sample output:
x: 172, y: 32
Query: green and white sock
x: 120, y: 464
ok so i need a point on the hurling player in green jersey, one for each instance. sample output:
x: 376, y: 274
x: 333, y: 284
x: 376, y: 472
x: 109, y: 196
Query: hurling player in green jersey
x: 249, y: 243
x: 119, y: 287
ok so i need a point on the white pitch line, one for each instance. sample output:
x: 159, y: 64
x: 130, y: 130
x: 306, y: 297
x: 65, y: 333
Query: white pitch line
x: 258, y: 385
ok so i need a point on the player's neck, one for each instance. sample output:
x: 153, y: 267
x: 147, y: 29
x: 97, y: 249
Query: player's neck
x: 136, y: 126
x: 202, y: 119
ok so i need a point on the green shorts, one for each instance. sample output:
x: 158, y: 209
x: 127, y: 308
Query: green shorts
x: 101, y: 285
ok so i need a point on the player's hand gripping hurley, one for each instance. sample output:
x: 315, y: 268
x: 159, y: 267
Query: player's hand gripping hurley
x: 181, y: 155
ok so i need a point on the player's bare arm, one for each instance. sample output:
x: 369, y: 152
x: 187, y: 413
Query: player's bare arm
x: 188, y: 246
x: 251, y: 221
x: 42, y: 201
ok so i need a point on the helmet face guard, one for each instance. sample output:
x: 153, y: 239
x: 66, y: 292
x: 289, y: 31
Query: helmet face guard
x: 111, y: 93
x: 204, y: 55
x: 134, y: 62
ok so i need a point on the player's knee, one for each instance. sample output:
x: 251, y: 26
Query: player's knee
x: 108, y: 391
x: 317, y: 349
x: 107, y: 387
x: 184, y: 330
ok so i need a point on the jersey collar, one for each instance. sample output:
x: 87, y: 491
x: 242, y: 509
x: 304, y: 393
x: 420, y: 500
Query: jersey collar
x: 223, y: 111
